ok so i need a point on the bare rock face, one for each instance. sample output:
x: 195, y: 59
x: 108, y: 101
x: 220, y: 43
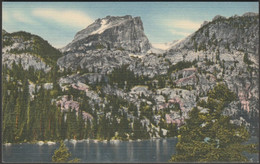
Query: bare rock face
x: 123, y: 32
x: 240, y: 33
x: 29, y: 50
x: 220, y: 48
x: 214, y: 53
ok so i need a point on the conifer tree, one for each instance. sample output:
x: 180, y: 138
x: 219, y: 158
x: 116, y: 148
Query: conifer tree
x: 62, y: 155
x: 210, y: 137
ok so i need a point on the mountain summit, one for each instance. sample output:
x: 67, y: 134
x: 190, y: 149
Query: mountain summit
x: 107, y: 86
x: 124, y: 32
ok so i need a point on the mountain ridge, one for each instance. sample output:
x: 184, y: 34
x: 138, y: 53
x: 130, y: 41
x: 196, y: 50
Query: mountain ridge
x: 126, y: 88
x: 125, y: 32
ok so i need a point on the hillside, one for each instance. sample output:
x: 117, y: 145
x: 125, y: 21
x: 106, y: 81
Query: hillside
x: 107, y: 85
x: 19, y: 45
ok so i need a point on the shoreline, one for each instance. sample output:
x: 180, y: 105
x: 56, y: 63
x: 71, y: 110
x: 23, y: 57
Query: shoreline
x: 73, y: 141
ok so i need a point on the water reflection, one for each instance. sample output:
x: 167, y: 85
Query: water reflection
x: 165, y: 146
x: 159, y: 150
x: 130, y: 151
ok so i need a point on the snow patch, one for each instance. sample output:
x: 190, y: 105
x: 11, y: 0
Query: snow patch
x: 89, y: 44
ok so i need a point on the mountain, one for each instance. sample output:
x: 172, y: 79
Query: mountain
x: 107, y: 85
x: 164, y: 46
x: 222, y: 50
x: 160, y: 48
x: 30, y: 49
x: 225, y: 34
x: 228, y: 50
x: 110, y: 32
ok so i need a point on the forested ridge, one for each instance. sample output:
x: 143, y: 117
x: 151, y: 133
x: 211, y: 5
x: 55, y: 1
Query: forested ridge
x: 29, y: 118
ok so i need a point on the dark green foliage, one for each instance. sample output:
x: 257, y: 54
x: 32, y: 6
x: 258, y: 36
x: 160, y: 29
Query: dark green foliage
x: 180, y: 65
x: 207, y: 33
x: 146, y: 111
x: 62, y: 155
x: 210, y: 137
x: 139, y: 131
x: 122, y: 76
x: 195, y: 46
x: 202, y: 46
x: 173, y: 131
x: 40, y: 47
x: 120, y: 48
x: 222, y: 93
x: 227, y: 46
x: 27, y: 119
x: 125, y: 78
x: 247, y: 60
x: 238, y: 24
x: 100, y: 46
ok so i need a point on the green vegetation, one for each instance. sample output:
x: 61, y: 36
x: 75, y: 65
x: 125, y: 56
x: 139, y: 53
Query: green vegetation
x: 222, y: 93
x: 120, y: 48
x: 247, y: 60
x: 206, y: 137
x: 100, y: 46
x: 125, y: 78
x: 238, y: 24
x: 39, y: 48
x: 210, y: 137
x: 62, y: 155
x: 181, y: 65
x: 27, y: 119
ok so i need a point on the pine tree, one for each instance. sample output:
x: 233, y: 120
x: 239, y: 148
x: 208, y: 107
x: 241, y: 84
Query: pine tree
x: 62, y: 155
x: 210, y: 137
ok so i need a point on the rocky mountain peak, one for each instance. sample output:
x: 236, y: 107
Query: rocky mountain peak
x: 225, y: 34
x: 124, y: 32
x: 218, y: 17
x: 249, y: 14
x: 30, y: 49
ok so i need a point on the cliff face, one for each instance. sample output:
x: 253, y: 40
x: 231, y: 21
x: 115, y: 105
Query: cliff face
x: 30, y: 50
x: 228, y: 50
x: 111, y: 32
x: 224, y: 50
x: 236, y: 33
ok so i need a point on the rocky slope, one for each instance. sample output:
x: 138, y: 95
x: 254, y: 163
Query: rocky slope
x: 228, y: 50
x: 123, y: 32
x: 30, y: 50
x: 108, y: 66
x: 222, y: 50
x: 237, y: 33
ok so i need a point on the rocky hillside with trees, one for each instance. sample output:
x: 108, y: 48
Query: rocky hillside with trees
x: 108, y: 91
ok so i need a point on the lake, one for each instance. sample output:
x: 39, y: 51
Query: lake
x: 156, y: 150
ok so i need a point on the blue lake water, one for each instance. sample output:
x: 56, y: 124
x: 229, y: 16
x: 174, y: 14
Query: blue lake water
x: 158, y: 150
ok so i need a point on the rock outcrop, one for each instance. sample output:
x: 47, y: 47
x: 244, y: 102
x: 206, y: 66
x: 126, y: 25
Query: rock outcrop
x: 29, y: 50
x: 110, y: 32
